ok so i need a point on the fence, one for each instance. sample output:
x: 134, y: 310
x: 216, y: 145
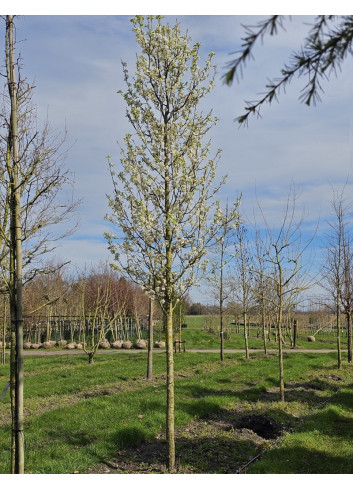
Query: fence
x: 74, y: 328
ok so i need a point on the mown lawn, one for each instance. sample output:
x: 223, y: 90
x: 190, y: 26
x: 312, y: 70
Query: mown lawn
x: 196, y: 337
x: 79, y: 416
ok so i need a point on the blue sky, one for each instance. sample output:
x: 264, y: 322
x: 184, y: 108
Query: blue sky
x: 75, y: 62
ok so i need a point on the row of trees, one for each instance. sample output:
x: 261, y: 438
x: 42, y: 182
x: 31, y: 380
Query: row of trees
x: 60, y: 306
x: 164, y: 209
x: 163, y: 206
x: 268, y: 268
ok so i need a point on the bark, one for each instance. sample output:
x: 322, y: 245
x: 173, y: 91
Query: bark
x: 295, y: 333
x: 263, y: 326
x: 280, y: 339
x: 16, y: 246
x: 280, y: 356
x: 180, y: 323
x: 338, y: 332
x: 246, y: 336
x: 221, y: 332
x: 12, y: 395
x: 4, y: 324
x: 349, y: 337
x: 150, y: 341
x: 170, y: 388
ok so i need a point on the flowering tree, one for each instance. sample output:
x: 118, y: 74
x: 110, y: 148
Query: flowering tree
x: 163, y: 194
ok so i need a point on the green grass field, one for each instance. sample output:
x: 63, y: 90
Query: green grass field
x: 78, y: 416
x: 196, y: 337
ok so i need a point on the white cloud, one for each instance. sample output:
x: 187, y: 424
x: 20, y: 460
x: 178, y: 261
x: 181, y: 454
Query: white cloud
x: 76, y: 61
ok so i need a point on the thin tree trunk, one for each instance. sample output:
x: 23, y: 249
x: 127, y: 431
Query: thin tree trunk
x: 180, y: 322
x: 280, y: 355
x: 338, y: 332
x: 12, y: 394
x: 246, y: 336
x: 349, y: 337
x: 150, y: 341
x: 4, y: 324
x: 295, y: 332
x: 16, y: 244
x: 170, y: 388
x: 221, y: 332
x: 263, y: 327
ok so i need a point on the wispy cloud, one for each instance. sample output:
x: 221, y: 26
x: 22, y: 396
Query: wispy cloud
x: 76, y: 64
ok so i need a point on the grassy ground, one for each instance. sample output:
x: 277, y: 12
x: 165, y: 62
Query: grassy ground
x: 108, y: 418
x: 196, y: 337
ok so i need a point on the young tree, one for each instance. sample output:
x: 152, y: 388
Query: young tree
x: 282, y: 254
x: 15, y: 244
x: 243, y: 278
x: 337, y: 267
x: 262, y: 288
x: 219, y: 279
x: 324, y: 49
x: 347, y: 291
x: 29, y: 190
x: 163, y: 195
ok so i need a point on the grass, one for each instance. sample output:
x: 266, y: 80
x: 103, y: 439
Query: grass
x: 197, y: 338
x: 78, y: 416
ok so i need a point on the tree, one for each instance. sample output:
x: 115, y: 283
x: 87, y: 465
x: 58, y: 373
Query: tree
x: 337, y: 267
x: 218, y: 279
x: 324, y: 49
x: 29, y: 191
x: 164, y: 194
x: 100, y: 305
x: 262, y: 288
x: 347, y: 291
x: 15, y: 281
x: 243, y: 278
x: 282, y: 266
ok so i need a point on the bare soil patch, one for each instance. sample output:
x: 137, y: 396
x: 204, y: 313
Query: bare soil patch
x: 220, y: 443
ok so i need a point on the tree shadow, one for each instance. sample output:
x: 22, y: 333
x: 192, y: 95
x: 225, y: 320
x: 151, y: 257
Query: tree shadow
x: 298, y: 459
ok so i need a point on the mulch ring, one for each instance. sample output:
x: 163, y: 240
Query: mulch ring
x: 220, y: 443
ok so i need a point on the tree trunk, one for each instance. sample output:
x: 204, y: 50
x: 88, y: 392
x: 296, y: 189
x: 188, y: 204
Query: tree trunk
x: 12, y: 395
x: 4, y: 324
x: 180, y: 323
x: 264, y: 328
x: 16, y: 245
x: 338, y: 332
x: 221, y: 332
x: 280, y: 346
x: 150, y: 341
x: 349, y: 337
x: 246, y: 335
x: 294, y: 333
x: 170, y: 387
x: 280, y: 355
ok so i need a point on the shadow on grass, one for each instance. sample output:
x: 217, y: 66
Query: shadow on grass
x: 200, y: 392
x: 298, y: 459
x: 214, y: 455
